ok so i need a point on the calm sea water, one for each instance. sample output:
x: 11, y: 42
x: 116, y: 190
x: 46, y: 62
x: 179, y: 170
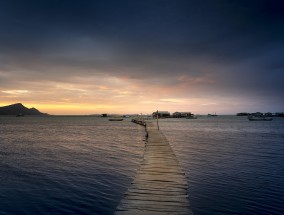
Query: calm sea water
x: 83, y: 165
x: 234, y: 166
x: 66, y: 165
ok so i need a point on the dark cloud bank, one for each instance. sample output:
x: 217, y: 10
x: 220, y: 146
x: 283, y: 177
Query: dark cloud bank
x: 238, y: 43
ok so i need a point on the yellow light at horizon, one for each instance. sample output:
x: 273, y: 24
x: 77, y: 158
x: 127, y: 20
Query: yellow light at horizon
x: 69, y: 108
x: 77, y: 108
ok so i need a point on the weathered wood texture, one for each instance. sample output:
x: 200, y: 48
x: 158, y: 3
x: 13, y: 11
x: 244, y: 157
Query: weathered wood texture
x: 160, y: 186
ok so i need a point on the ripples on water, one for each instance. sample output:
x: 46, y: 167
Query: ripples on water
x: 234, y: 166
x: 66, y: 165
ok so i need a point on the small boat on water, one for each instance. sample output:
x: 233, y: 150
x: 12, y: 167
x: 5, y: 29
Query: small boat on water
x: 212, y: 114
x: 191, y: 117
x: 259, y: 118
x: 116, y: 118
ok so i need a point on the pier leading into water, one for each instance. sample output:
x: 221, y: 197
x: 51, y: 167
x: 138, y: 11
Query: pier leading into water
x: 160, y: 185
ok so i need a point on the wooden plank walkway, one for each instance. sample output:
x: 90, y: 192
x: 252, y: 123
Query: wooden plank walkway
x: 160, y: 185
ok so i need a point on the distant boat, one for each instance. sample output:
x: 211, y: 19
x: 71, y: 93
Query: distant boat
x: 20, y: 115
x: 191, y: 117
x: 259, y: 118
x: 116, y: 118
x: 212, y: 114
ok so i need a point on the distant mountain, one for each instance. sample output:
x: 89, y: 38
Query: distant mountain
x: 19, y: 109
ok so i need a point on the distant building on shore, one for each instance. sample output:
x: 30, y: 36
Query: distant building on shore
x: 243, y: 114
x: 259, y: 114
x: 181, y: 114
x: 268, y: 114
x: 161, y: 114
x: 279, y: 114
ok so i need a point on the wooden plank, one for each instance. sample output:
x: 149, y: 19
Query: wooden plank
x: 156, y: 186
x: 160, y: 185
x: 170, y: 191
x: 148, y: 212
x: 136, y: 205
x: 158, y: 198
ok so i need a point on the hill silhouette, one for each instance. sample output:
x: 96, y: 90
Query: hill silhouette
x: 19, y: 109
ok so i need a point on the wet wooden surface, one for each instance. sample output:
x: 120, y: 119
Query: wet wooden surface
x: 160, y: 185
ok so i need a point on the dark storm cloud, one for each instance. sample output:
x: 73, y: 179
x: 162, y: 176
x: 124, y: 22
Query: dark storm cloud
x: 237, y: 41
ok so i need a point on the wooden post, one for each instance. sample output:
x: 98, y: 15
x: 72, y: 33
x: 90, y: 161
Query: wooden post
x: 158, y: 120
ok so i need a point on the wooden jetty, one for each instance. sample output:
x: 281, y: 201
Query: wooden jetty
x: 160, y: 185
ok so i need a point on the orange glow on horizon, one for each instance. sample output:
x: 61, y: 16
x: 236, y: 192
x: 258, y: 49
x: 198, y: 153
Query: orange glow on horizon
x: 115, y: 95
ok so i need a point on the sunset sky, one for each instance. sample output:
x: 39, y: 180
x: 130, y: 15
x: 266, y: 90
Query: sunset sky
x: 118, y: 56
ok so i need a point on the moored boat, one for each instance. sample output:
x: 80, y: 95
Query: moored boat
x: 191, y: 117
x: 116, y: 118
x: 212, y: 114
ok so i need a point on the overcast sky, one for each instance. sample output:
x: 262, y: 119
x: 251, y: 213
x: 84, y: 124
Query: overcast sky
x: 118, y: 56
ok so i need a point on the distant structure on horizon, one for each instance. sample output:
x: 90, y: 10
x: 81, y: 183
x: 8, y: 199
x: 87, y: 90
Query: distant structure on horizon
x: 161, y: 114
x: 268, y: 114
x: 167, y: 114
x: 243, y: 114
x: 181, y: 114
